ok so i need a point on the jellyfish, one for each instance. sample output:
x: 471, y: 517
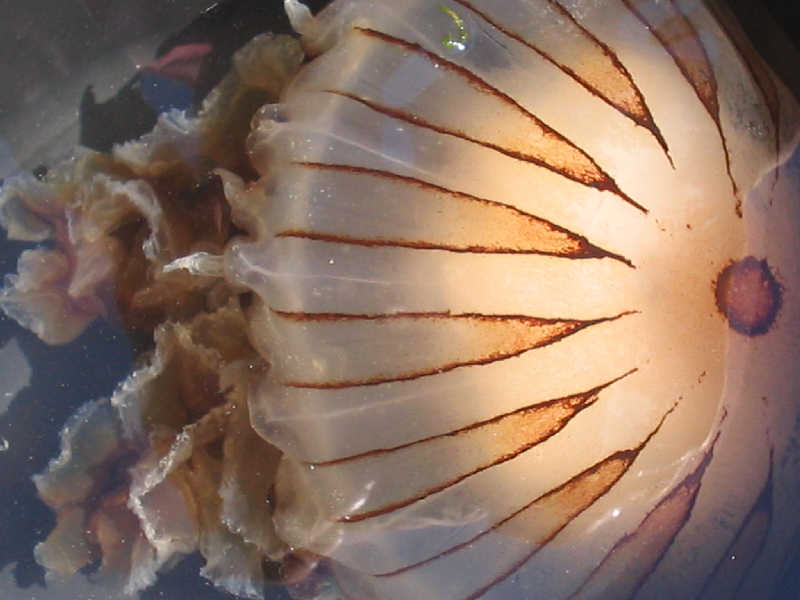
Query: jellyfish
x: 507, y: 308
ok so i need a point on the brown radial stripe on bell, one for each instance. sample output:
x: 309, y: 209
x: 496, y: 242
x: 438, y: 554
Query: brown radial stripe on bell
x: 747, y: 545
x: 491, y: 338
x: 649, y: 542
x: 552, y: 151
x: 680, y: 39
x: 603, y: 75
x: 507, y: 229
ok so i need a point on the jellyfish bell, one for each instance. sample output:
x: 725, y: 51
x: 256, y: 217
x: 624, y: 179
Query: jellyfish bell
x: 510, y: 311
x: 518, y: 301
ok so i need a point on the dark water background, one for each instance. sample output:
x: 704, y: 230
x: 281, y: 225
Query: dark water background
x: 50, y: 50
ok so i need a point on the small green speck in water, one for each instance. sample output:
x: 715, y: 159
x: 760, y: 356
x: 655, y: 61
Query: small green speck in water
x: 458, y: 41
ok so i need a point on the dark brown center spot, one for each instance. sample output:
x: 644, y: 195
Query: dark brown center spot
x: 748, y: 295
